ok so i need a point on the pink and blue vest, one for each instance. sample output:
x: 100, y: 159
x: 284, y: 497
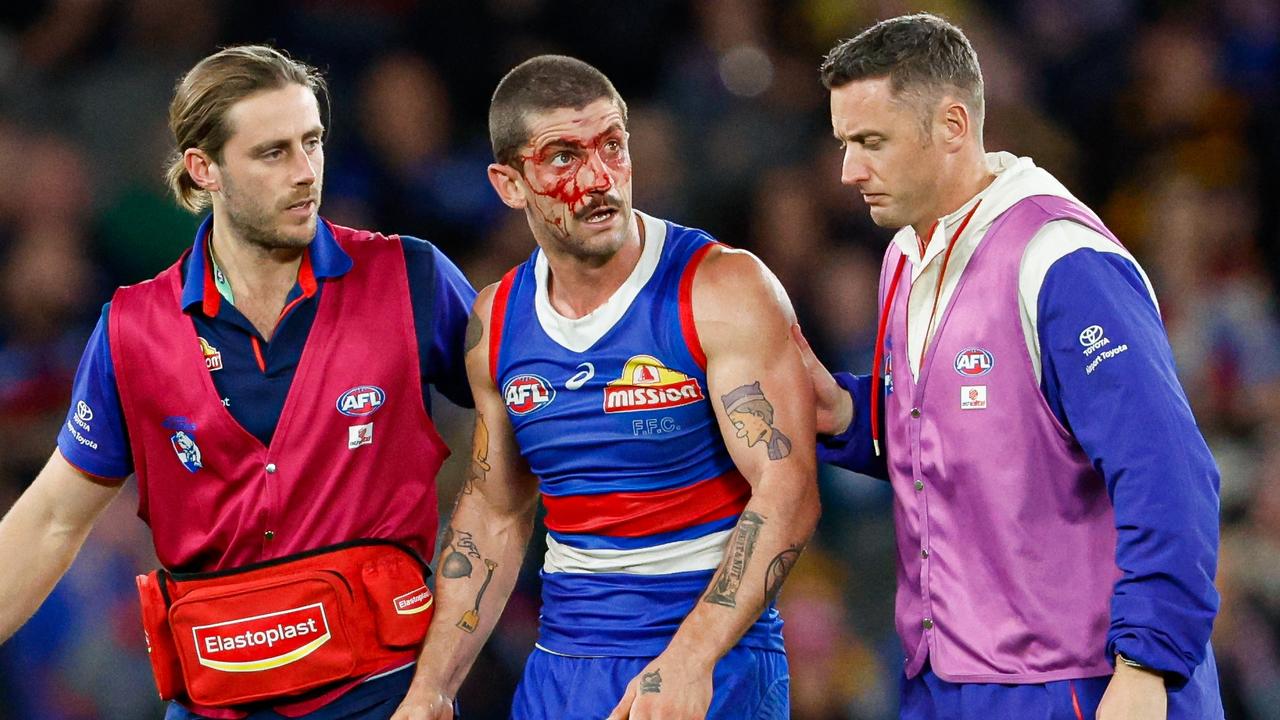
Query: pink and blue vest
x: 1005, y: 533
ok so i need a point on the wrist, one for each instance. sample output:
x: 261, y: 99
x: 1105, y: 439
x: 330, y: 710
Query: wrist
x: 1128, y: 666
x: 695, y: 656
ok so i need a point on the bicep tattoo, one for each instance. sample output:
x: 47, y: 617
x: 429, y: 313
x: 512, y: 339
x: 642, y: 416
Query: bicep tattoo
x: 752, y: 416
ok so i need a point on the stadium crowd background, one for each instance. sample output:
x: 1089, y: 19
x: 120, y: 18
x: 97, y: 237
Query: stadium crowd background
x: 1161, y: 115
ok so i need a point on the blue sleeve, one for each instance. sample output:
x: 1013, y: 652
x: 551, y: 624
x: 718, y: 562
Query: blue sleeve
x: 94, y: 437
x: 1109, y: 374
x: 442, y: 300
x: 852, y: 449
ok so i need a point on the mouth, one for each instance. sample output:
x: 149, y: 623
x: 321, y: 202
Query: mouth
x: 599, y: 216
x: 302, y: 207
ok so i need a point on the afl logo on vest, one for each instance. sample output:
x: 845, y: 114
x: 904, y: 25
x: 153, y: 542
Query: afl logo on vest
x: 972, y: 362
x: 527, y: 393
x: 361, y: 400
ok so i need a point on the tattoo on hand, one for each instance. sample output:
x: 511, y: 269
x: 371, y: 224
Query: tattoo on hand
x: 651, y: 682
x: 724, y: 591
x: 459, y: 545
x: 752, y: 416
x: 475, y: 331
x: 778, y: 570
x: 470, y: 619
x: 480, y: 466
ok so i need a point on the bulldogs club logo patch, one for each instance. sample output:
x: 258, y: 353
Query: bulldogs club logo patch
x: 972, y: 362
x: 647, y: 384
x: 183, y: 441
x: 361, y: 401
x: 262, y: 642
x: 527, y: 393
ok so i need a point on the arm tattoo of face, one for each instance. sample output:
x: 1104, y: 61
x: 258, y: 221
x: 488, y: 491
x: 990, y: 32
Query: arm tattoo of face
x: 475, y: 331
x: 470, y: 619
x: 651, y: 682
x: 459, y: 544
x: 778, y: 570
x: 752, y: 416
x: 480, y: 466
x: 724, y: 591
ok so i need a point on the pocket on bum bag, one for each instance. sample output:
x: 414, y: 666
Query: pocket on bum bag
x: 260, y: 640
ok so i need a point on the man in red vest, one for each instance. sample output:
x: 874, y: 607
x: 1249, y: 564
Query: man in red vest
x: 269, y: 392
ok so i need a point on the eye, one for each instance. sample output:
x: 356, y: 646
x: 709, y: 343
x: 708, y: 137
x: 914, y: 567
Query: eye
x: 273, y: 154
x: 873, y: 143
x: 311, y: 144
x: 564, y: 158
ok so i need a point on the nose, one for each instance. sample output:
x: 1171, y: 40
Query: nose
x: 854, y: 169
x: 595, y: 176
x: 307, y: 167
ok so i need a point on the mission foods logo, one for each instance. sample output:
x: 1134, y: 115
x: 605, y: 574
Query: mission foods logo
x: 647, y: 384
x: 361, y: 400
x: 973, y: 362
x: 526, y: 393
x: 262, y: 642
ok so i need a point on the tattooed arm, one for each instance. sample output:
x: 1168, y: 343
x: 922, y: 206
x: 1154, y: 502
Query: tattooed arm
x: 764, y: 404
x: 483, y: 546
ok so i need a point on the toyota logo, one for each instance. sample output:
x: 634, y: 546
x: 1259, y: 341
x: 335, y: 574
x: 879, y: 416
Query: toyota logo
x: 1091, y: 335
x: 83, y: 412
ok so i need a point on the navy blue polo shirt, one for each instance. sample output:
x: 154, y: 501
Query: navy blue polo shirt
x: 252, y: 374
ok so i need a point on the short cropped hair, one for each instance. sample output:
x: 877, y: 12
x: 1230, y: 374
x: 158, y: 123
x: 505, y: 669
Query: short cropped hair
x: 541, y: 84
x: 923, y: 56
x: 202, y: 98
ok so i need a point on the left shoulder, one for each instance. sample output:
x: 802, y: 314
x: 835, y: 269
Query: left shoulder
x: 1091, y: 254
x: 734, y: 285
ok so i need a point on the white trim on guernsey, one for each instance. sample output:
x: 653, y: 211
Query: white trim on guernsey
x: 703, y: 553
x: 581, y: 333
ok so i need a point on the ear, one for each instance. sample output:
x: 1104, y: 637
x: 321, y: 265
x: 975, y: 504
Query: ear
x: 957, y: 126
x: 506, y: 181
x: 202, y: 169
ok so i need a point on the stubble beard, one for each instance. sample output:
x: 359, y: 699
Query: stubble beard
x: 253, y: 223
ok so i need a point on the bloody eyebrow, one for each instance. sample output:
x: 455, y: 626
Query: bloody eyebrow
x: 565, y: 142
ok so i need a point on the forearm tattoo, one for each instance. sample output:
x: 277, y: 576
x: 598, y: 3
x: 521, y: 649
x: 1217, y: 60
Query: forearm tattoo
x: 479, y: 469
x: 459, y: 549
x: 778, y: 570
x: 470, y: 619
x: 724, y: 591
x: 752, y: 416
x: 651, y: 682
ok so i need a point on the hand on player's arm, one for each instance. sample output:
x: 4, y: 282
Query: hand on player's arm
x: 41, y: 534
x: 763, y: 399
x: 483, y: 546
x: 833, y: 406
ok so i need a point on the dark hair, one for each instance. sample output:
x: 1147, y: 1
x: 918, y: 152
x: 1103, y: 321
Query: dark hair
x: 198, y: 112
x: 539, y: 84
x: 923, y: 56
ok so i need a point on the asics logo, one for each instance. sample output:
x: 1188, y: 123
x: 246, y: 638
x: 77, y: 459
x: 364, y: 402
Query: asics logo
x: 581, y: 377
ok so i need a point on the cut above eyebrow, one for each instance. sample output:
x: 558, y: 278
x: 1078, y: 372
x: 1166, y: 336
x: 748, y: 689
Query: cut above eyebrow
x: 569, y: 143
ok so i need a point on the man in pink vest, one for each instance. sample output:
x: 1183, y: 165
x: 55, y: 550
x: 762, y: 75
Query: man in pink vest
x: 269, y: 391
x: 1055, y: 504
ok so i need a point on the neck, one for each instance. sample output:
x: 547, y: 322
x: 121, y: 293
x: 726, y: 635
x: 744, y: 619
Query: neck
x: 255, y: 273
x: 972, y: 178
x: 577, y: 286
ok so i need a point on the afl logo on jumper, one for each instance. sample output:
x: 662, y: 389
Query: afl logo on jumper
x: 527, y: 393
x: 262, y: 642
x: 647, y: 384
x: 974, y: 361
x: 361, y: 400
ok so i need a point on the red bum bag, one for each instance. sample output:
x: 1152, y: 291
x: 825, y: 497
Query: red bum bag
x: 282, y: 627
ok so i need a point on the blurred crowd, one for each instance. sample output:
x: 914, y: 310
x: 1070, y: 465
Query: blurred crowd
x: 1161, y: 115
